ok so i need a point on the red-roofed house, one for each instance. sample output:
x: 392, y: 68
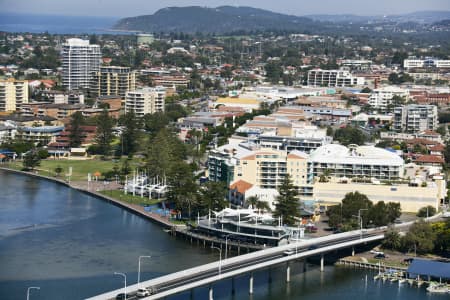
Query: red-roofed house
x: 430, y: 160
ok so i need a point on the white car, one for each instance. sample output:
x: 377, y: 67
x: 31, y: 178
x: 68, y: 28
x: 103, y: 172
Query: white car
x: 446, y: 214
x: 143, y: 293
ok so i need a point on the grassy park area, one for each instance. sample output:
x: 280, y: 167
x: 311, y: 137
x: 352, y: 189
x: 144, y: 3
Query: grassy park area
x: 80, y: 168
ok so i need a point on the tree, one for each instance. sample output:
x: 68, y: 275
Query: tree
x: 287, y: 203
x: 427, y: 211
x: 130, y: 135
x: 350, y: 135
x: 257, y: 204
x: 351, y: 205
x: 392, y: 239
x: 31, y: 160
x: 76, y: 130
x: 366, y: 90
x: 274, y: 72
x: 213, y: 196
x: 104, y: 133
x: 58, y: 170
x: 420, y: 238
x: 442, y: 242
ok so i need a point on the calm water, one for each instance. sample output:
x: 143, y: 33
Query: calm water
x: 56, y: 24
x: 70, y: 244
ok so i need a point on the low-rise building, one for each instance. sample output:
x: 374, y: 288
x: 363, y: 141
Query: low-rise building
x: 333, y: 78
x: 381, y: 98
x: 359, y: 161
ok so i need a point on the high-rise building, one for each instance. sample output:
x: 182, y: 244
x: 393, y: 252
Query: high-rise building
x: 145, y: 101
x: 415, y: 118
x: 113, y: 81
x: 13, y: 93
x: 79, y: 61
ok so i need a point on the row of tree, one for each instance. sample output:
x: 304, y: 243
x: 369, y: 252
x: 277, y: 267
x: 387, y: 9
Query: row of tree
x: 357, y: 209
x: 421, y: 238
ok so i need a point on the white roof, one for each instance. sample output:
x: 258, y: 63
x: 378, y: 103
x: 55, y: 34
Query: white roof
x: 363, y: 155
x: 77, y: 42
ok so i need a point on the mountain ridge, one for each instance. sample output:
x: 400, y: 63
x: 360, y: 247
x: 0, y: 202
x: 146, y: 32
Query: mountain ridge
x: 226, y: 19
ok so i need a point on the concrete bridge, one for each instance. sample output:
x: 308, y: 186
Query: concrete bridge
x: 208, y: 274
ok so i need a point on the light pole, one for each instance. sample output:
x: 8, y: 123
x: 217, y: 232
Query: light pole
x: 30, y: 288
x: 360, y: 220
x: 220, y: 259
x: 125, y: 282
x: 139, y: 267
x: 226, y: 244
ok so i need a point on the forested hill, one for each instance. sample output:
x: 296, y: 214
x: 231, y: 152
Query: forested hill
x: 222, y: 19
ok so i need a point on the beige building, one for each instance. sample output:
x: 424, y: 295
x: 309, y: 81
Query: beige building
x: 145, y: 101
x: 411, y: 198
x: 113, y: 81
x: 13, y: 93
x: 266, y: 168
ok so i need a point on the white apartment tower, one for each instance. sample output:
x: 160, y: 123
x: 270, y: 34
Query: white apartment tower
x: 79, y: 61
x: 145, y: 101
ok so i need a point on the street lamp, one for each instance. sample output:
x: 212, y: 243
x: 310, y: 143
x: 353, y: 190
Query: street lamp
x: 30, y: 288
x: 360, y: 220
x: 220, y: 259
x: 226, y: 244
x: 125, y: 282
x: 139, y: 267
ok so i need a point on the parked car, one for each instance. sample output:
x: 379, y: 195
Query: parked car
x: 122, y: 296
x: 143, y: 293
x: 380, y: 256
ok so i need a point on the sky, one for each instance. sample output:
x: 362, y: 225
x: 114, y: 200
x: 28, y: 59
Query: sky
x: 127, y: 8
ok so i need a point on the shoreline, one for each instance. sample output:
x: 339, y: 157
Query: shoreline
x: 136, y: 209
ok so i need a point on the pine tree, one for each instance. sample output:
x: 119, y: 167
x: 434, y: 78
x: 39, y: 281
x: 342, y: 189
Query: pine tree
x: 104, y: 134
x: 287, y: 204
x: 76, y: 130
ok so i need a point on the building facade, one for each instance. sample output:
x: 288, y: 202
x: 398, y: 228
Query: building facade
x: 79, y: 61
x: 13, y: 93
x: 361, y: 162
x: 415, y: 118
x: 113, y: 81
x: 429, y: 62
x: 145, y: 101
x: 333, y: 78
x: 381, y: 98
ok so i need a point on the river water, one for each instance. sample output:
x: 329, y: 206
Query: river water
x: 69, y: 244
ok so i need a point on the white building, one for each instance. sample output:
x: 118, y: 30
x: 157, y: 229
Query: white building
x: 382, y: 97
x: 79, y: 61
x: 145, y: 101
x: 333, y: 78
x: 415, y: 118
x: 428, y: 62
x: 360, y: 161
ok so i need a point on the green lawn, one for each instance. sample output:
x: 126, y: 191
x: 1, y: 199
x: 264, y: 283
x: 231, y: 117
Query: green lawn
x: 119, y: 195
x: 80, y: 168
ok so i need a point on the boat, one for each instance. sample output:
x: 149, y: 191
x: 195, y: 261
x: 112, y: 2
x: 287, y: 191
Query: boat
x: 411, y: 281
x: 393, y: 279
x: 438, y: 288
x: 420, y: 283
x: 378, y: 276
x: 402, y: 281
